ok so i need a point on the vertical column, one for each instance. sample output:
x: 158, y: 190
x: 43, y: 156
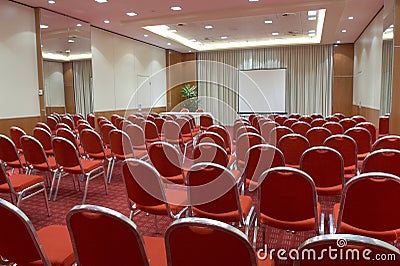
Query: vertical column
x: 40, y: 64
x: 395, y: 110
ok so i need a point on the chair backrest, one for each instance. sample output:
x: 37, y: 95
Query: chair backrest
x: 212, y: 189
x: 239, y: 123
x: 120, y: 144
x: 210, y: 152
x: 172, y: 132
x: 105, y: 132
x: 33, y: 150
x: 306, y: 118
x: 325, y: 166
x: 339, y: 115
x: 68, y: 121
x: 317, y: 135
x: 280, y: 119
x: 371, y: 128
x: 287, y: 194
x: 116, y: 237
x: 52, y: 122
x: 300, y: 127
x: 166, y: 158
x: 292, y: 147
x: 266, y: 129
x: 355, y: 249
x: 347, y: 123
x: 332, y: 118
x: 277, y: 133
x: 44, y: 126
x: 362, y: 137
x: 92, y: 142
x: 19, y: 240
x: 211, y: 137
x: 346, y: 146
x: 114, y: 118
x: 198, y: 242
x: 159, y: 121
x: 246, y: 129
x: 387, y: 142
x: 316, y: 116
x: 65, y: 152
x: 259, y: 158
x: 185, y: 126
x: 318, y: 122
x: 206, y: 120
x: 334, y: 127
x: 295, y: 115
x: 359, y: 119
x: 367, y: 206
x: 383, y: 125
x: 223, y: 132
x: 151, y: 132
x: 67, y: 134
x: 8, y: 150
x: 16, y: 133
x: 245, y: 142
x: 289, y: 122
x: 384, y: 160
x: 143, y: 184
x: 136, y: 134
x: 91, y: 120
x: 184, y: 110
x: 43, y: 136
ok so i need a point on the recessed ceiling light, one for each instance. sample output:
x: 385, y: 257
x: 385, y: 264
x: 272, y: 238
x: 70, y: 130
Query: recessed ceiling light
x: 176, y: 8
x: 193, y: 40
x: 350, y: 18
x: 173, y: 31
x: 208, y: 27
x: 312, y: 13
x: 311, y: 31
x: 254, y: 0
x: 190, y: 51
x: 79, y: 25
x: 312, y: 18
x: 131, y: 14
x: 42, y: 26
x: 268, y: 22
x: 101, y: 1
x: 51, y: 2
x: 391, y: 26
x: 169, y: 43
x: 146, y: 35
x: 71, y: 41
x: 344, y: 31
x: 67, y: 51
x: 106, y: 21
x: 338, y: 41
x: 224, y: 37
x: 311, y: 34
x: 275, y: 33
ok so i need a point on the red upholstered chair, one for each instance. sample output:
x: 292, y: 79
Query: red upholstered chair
x: 199, y: 110
x: 44, y: 137
x: 22, y: 186
x: 259, y: 158
x: 347, y: 147
x: 334, y: 127
x: 159, y: 121
x: 167, y: 160
x: 295, y: 116
x: 184, y: 110
x: 145, y: 191
x: 325, y: 166
x: 206, y: 121
x: 243, y: 144
x: 22, y: 244
x: 173, y: 135
x: 69, y: 135
x: 105, y: 132
x: 213, y: 193
x: 9, y: 155
x: 287, y: 200
x: 138, y: 140
x: 52, y: 123
x: 151, y: 132
x: 246, y: 129
x: 266, y: 129
x: 318, y: 122
x: 356, y: 250
x: 69, y: 162
x: 68, y: 121
x: 36, y: 158
x: 300, y: 127
x: 306, y: 118
x: 198, y: 242
x: 289, y: 122
x: 383, y: 126
x: 95, y: 149
x: 387, y: 142
x: 103, y: 228
x: 317, y: 135
x: 292, y: 147
x: 91, y: 120
x: 363, y: 139
x: 211, y: 137
x: 384, y: 160
x: 280, y: 119
x: 223, y: 132
x: 371, y: 128
x: 114, y: 119
x: 339, y: 115
x: 44, y: 126
x: 277, y: 133
x: 16, y: 133
x: 315, y: 116
x: 239, y: 123
x: 359, y: 119
x: 332, y: 118
x: 369, y: 207
x: 347, y: 123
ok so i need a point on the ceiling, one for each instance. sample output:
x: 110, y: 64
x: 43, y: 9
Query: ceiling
x: 240, y: 21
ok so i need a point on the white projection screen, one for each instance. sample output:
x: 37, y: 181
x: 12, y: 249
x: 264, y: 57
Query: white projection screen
x: 262, y: 91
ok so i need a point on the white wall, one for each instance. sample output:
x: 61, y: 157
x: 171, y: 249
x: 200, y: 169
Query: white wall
x: 53, y: 84
x: 120, y: 66
x: 368, y: 64
x: 18, y: 62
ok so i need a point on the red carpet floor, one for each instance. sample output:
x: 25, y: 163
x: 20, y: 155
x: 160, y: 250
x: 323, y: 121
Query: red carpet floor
x: 116, y: 199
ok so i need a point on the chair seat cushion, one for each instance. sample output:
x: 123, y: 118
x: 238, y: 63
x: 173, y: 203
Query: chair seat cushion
x: 44, y: 167
x: 155, y: 250
x: 351, y: 169
x: 21, y: 182
x: 334, y: 190
x: 88, y: 165
x: 16, y: 163
x: 100, y: 155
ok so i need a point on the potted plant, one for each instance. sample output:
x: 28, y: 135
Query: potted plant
x: 189, y: 93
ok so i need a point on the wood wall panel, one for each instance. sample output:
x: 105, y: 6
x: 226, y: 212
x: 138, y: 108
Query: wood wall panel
x: 372, y: 115
x: 58, y: 110
x: 27, y: 124
x: 342, y: 96
x: 69, y: 91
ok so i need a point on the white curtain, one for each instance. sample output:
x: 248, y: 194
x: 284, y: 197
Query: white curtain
x: 308, y: 82
x: 387, y: 74
x: 82, y: 70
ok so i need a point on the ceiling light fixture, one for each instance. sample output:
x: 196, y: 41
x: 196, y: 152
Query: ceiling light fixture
x: 268, y: 22
x: 311, y: 31
x: 350, y: 18
x: 169, y: 43
x: 176, y: 8
x: 79, y: 25
x: 311, y: 34
x: 51, y: 2
x: 43, y: 26
x: 101, y: 1
x: 173, y: 31
x: 106, y: 21
x: 312, y: 18
x: 253, y: 1
x: 131, y: 14
x: 190, y: 51
x: 224, y: 37
x: 275, y: 33
x: 71, y: 41
x: 338, y: 41
x: 146, y: 35
x: 67, y: 51
x: 344, y: 31
x: 312, y: 13
x: 208, y: 27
